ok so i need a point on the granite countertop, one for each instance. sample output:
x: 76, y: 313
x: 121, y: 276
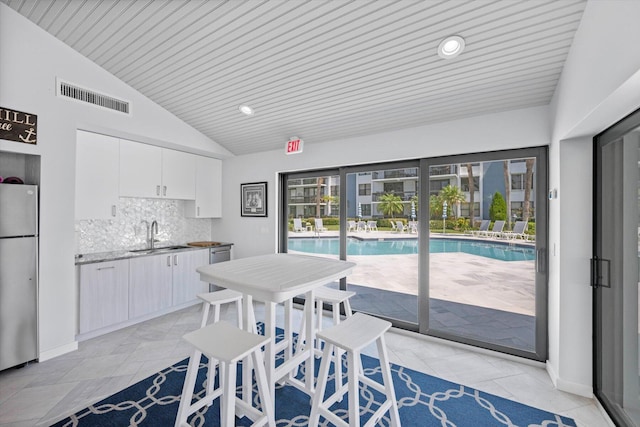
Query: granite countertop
x: 161, y: 248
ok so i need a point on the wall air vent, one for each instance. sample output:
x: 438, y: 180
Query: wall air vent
x: 80, y: 94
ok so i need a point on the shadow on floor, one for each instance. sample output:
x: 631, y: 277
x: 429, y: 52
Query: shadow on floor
x: 479, y: 323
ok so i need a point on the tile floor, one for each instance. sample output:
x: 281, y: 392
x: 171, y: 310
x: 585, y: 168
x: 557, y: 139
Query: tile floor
x: 41, y: 393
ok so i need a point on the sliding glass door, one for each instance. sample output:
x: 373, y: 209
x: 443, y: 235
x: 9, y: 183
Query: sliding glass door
x: 382, y: 239
x: 312, y: 213
x: 616, y: 271
x: 425, y: 260
x: 487, y: 216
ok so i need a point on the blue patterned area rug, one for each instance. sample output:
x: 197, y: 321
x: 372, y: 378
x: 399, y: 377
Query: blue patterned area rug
x: 423, y: 401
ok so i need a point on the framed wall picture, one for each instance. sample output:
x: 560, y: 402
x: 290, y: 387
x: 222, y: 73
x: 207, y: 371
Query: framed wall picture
x: 253, y: 199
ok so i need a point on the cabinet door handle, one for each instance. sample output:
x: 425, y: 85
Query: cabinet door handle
x: 113, y: 210
x: 168, y: 260
x: 175, y: 260
x: 105, y: 268
x: 157, y: 190
x: 164, y: 190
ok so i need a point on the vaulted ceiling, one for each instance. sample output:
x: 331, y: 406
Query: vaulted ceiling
x: 319, y: 70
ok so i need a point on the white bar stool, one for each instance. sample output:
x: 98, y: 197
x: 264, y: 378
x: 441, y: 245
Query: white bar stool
x: 238, y: 345
x: 216, y: 299
x: 323, y: 295
x: 335, y: 297
x: 353, y: 335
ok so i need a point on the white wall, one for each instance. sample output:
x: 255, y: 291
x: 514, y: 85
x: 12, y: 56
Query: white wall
x: 600, y: 85
x: 253, y: 236
x: 30, y: 61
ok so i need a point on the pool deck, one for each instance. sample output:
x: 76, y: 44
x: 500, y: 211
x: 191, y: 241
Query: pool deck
x: 470, y: 295
x: 456, y: 277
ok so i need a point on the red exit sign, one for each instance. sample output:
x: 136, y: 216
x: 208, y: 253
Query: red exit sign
x: 294, y: 145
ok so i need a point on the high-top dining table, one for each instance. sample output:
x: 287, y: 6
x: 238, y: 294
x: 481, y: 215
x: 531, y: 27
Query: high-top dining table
x: 274, y: 279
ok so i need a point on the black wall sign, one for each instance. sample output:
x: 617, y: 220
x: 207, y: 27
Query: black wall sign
x: 18, y: 126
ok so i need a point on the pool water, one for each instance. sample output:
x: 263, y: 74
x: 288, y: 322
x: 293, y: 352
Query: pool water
x: 329, y: 246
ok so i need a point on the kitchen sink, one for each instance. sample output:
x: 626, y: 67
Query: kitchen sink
x: 158, y: 249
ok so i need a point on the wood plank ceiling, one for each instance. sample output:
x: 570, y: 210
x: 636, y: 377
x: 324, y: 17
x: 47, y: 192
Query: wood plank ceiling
x: 319, y: 70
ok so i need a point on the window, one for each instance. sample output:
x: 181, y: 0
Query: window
x: 435, y: 185
x: 517, y: 208
x: 394, y: 187
x: 464, y: 209
x: 364, y: 189
x: 464, y: 182
x: 366, y: 209
x: 517, y: 181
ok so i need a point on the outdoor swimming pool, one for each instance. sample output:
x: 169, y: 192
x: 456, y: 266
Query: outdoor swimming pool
x: 330, y: 246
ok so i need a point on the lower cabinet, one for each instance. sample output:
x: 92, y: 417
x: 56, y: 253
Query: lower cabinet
x: 116, y: 293
x: 104, y: 294
x: 186, y: 280
x: 150, y: 280
x: 161, y: 281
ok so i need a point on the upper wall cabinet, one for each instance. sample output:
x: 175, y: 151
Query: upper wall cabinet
x: 208, y: 202
x: 178, y: 175
x: 140, y: 170
x: 97, y: 159
x: 152, y: 172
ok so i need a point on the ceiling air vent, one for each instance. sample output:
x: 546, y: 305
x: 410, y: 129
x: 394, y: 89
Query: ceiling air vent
x: 71, y: 91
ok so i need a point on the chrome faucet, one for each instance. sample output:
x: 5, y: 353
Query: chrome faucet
x: 146, y: 237
x: 152, y: 239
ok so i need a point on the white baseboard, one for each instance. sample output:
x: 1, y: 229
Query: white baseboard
x: 96, y: 333
x: 58, y: 351
x: 568, y: 386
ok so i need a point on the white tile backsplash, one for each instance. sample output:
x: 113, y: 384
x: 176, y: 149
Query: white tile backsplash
x: 127, y: 231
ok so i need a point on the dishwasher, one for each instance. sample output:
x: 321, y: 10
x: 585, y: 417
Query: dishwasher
x: 218, y: 254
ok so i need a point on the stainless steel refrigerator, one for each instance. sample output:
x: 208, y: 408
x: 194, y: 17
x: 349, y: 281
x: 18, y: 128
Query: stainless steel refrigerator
x: 18, y: 274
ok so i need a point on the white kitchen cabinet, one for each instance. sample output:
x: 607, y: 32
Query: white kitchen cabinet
x: 186, y: 281
x: 150, y: 279
x: 97, y: 176
x: 140, y: 170
x: 148, y: 171
x: 104, y: 294
x: 208, y: 202
x: 178, y: 175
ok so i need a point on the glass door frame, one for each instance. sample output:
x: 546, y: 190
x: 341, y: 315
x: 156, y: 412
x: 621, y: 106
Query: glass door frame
x: 541, y: 270
x: 422, y: 326
x: 608, y: 136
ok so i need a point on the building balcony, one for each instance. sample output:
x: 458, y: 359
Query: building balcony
x: 405, y: 196
x: 394, y: 174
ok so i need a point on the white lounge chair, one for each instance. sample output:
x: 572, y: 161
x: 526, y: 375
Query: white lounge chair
x: 372, y: 225
x: 319, y: 226
x: 352, y: 226
x: 401, y: 227
x: 393, y: 226
x: 413, y: 227
x: 297, y: 224
x: 484, y: 227
x: 496, y: 230
x: 518, y: 231
x: 362, y: 226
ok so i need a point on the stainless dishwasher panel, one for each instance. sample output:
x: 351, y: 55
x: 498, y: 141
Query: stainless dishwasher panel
x: 218, y: 254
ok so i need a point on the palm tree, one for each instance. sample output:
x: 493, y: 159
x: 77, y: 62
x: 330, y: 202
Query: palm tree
x: 329, y: 200
x: 472, y: 191
x: 507, y: 190
x: 435, y: 207
x: 319, y: 183
x: 528, y: 178
x: 390, y: 204
x: 453, y: 196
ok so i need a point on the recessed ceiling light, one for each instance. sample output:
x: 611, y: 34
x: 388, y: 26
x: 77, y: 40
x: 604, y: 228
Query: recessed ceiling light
x: 245, y: 109
x: 451, y: 47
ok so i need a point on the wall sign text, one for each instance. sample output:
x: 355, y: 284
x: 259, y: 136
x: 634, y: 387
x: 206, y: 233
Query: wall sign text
x: 18, y: 126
